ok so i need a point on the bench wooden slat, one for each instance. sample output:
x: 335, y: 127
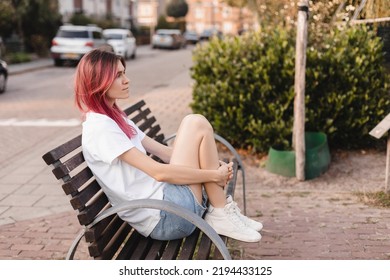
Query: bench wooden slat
x: 116, y: 242
x: 129, y: 246
x: 61, y: 151
x: 142, y: 115
x: 147, y: 124
x: 115, y: 223
x: 68, y: 166
x: 97, y: 247
x: 152, y: 133
x: 217, y: 253
x: 77, y: 181
x: 172, y: 250
x: 128, y: 111
x: 160, y: 138
x: 80, y: 199
x: 87, y: 215
x: 204, y: 248
x: 94, y: 233
x: 156, y: 250
x: 189, y: 246
x: 142, y: 249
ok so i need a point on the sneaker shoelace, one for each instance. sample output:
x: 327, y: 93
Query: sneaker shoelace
x: 234, y: 215
x: 236, y: 209
x: 242, y: 217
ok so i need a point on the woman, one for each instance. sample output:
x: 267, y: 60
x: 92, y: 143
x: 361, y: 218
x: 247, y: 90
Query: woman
x: 115, y: 150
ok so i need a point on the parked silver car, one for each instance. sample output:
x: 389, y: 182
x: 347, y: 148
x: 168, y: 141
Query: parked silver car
x: 73, y: 41
x: 210, y: 33
x: 122, y: 40
x: 168, y: 38
x: 191, y: 37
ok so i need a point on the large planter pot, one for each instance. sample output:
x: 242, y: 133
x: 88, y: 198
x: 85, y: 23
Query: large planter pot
x: 317, y: 158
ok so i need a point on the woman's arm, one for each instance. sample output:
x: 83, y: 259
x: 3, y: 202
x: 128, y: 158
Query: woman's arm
x: 155, y: 148
x: 176, y: 174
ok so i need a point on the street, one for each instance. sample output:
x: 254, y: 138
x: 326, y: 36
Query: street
x: 39, y: 104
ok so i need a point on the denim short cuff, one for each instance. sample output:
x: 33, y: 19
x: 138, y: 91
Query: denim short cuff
x: 171, y: 226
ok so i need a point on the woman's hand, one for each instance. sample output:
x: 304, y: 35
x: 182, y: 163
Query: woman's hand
x: 226, y: 172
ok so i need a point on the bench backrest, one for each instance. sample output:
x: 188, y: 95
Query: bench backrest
x: 86, y: 194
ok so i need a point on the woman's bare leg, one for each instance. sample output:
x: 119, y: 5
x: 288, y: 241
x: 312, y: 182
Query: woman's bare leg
x: 195, y: 146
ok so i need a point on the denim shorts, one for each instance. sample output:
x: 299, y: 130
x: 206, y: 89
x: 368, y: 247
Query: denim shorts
x: 172, y: 226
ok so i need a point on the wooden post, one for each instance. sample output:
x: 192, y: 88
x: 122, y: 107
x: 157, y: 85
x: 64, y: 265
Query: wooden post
x: 299, y: 88
x: 378, y: 131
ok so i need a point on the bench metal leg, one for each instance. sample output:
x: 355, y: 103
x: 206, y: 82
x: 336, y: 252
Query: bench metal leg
x: 75, y: 244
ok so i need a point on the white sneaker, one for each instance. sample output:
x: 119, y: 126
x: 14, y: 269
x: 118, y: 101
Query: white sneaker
x: 257, y: 226
x: 225, y: 221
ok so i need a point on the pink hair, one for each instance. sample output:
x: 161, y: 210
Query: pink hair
x: 95, y: 73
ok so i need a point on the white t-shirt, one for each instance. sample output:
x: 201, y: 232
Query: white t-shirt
x: 102, y: 142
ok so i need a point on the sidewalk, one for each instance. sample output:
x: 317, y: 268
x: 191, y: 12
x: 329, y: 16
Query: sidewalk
x: 33, y: 65
x: 316, y: 219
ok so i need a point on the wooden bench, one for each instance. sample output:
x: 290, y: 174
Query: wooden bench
x: 109, y: 237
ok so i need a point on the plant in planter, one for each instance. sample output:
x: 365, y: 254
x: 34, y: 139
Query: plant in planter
x: 318, y: 157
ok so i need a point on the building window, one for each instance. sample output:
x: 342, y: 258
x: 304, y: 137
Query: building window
x: 199, y: 13
x: 145, y: 10
x: 199, y: 27
x: 226, y: 12
x: 228, y: 28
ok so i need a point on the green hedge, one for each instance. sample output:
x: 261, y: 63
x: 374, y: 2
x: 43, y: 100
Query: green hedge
x: 245, y: 87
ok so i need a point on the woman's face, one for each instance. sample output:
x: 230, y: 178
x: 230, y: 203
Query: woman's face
x: 120, y: 87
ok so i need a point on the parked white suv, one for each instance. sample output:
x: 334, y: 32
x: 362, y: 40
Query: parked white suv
x: 122, y: 40
x: 73, y: 41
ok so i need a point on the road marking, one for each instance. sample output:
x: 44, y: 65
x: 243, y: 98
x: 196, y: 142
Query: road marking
x: 40, y: 122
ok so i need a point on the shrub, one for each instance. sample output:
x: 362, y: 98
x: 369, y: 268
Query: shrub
x: 348, y: 87
x: 245, y: 87
x: 18, y: 57
x: 40, y: 45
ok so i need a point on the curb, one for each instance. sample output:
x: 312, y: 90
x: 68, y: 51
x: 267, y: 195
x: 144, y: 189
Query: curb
x: 19, y: 68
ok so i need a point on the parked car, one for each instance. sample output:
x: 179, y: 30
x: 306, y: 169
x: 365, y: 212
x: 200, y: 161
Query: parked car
x: 122, y: 40
x: 191, y: 37
x: 168, y: 38
x: 73, y: 41
x: 3, y: 75
x: 209, y: 33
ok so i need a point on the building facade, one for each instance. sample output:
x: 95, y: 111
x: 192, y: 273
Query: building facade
x: 202, y: 14
x: 214, y: 14
x: 122, y: 11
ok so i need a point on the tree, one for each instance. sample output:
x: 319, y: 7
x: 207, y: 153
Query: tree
x: 377, y: 8
x: 162, y: 23
x: 35, y: 22
x: 19, y: 7
x: 269, y: 11
x: 177, y: 9
x: 40, y: 24
x: 6, y: 19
